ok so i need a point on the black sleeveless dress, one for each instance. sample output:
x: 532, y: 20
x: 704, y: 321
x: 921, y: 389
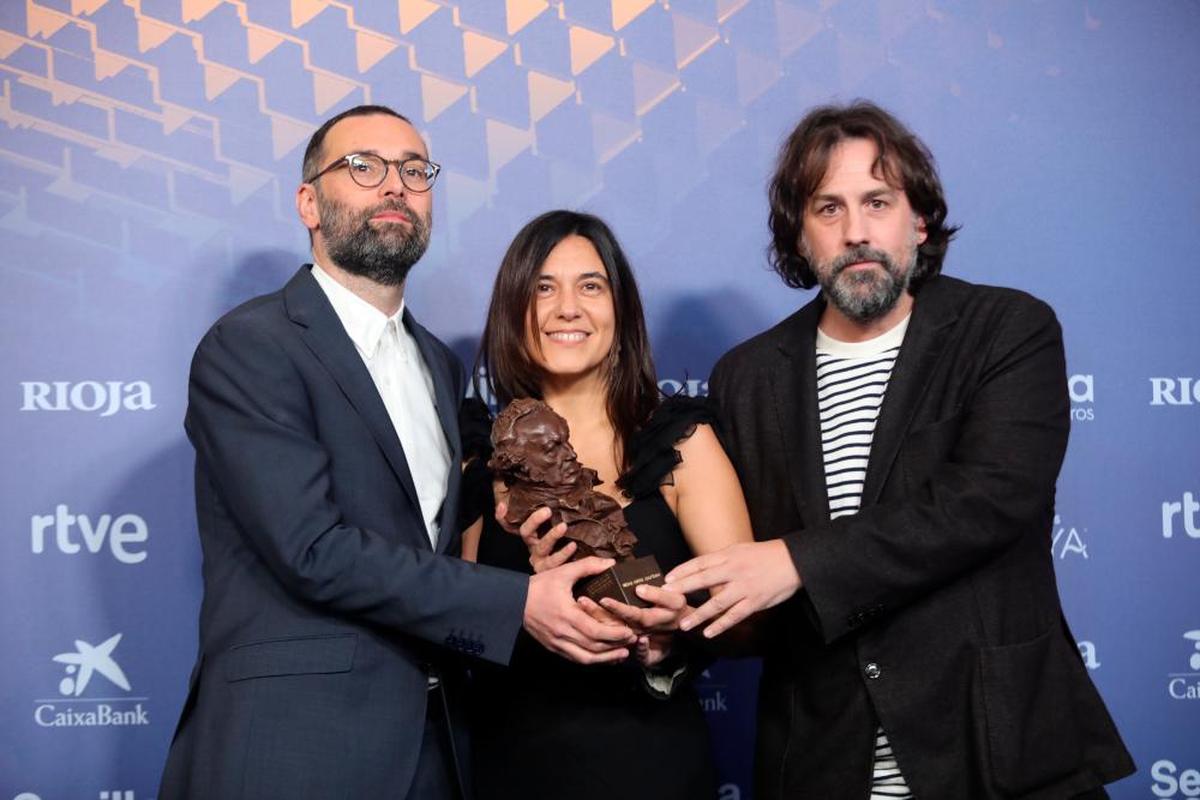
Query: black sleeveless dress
x: 547, y: 728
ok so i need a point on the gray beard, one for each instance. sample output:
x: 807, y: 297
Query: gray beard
x: 380, y: 255
x: 865, y: 296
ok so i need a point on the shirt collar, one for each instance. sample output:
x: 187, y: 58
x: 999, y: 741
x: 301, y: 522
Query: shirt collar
x: 364, y: 323
x: 893, y: 337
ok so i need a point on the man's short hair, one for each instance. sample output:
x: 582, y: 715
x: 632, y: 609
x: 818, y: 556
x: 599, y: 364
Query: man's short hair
x: 904, y: 162
x: 313, y: 155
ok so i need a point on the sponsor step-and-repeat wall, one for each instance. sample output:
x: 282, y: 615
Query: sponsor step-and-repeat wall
x: 150, y: 151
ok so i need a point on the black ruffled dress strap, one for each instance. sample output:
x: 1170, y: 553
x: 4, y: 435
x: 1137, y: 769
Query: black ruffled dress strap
x: 652, y: 453
x: 475, y: 430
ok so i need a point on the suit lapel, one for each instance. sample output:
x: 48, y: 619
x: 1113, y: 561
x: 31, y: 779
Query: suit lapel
x: 324, y: 335
x: 794, y: 380
x: 443, y: 381
x: 446, y: 402
x: 924, y: 343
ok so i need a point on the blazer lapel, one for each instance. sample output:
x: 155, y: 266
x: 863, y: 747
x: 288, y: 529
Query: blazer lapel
x: 446, y: 403
x: 443, y: 381
x: 924, y: 343
x: 794, y: 380
x: 324, y: 335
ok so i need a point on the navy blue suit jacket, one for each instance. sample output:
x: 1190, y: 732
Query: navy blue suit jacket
x: 325, y: 607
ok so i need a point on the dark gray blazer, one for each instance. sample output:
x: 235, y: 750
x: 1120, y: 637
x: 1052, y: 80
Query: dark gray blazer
x: 325, y: 608
x: 935, y: 608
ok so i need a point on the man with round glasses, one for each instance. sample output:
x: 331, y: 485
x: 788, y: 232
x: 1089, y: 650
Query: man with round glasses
x: 390, y: 231
x: 324, y: 419
x: 369, y: 170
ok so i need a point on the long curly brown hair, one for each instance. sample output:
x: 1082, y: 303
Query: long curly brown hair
x: 903, y: 161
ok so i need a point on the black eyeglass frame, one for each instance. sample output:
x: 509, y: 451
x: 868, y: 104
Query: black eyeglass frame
x: 397, y: 163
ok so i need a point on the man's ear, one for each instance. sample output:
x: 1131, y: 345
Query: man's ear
x: 922, y: 234
x: 307, y: 206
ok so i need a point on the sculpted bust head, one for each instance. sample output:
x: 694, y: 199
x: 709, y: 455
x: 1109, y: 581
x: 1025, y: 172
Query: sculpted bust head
x: 534, y: 459
x: 531, y: 443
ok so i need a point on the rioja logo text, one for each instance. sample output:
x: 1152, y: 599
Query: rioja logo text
x: 106, y: 398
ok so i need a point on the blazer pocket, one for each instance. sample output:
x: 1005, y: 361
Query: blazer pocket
x: 1033, y: 736
x: 301, y: 655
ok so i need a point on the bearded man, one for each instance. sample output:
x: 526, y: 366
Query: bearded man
x: 335, y: 610
x: 898, y: 440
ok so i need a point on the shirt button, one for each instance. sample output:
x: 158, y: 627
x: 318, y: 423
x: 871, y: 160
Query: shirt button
x: 872, y: 670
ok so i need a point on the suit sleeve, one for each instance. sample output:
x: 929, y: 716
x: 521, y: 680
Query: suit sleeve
x: 755, y: 633
x: 251, y: 422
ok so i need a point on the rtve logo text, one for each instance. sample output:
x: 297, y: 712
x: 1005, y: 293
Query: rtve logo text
x: 124, y: 536
x: 1181, y: 516
x: 105, y: 398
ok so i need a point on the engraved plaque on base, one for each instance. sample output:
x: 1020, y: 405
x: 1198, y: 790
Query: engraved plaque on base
x: 620, y: 580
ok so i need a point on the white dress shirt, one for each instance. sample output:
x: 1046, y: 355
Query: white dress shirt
x: 406, y: 387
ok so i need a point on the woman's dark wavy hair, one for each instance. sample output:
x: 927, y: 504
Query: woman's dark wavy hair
x: 903, y: 161
x: 503, y: 352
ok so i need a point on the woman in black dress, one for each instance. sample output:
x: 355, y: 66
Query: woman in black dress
x: 566, y: 326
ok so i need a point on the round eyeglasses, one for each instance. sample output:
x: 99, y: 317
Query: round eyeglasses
x: 369, y: 170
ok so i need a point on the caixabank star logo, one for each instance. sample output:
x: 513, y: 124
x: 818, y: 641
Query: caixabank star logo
x: 1186, y: 685
x: 94, y: 691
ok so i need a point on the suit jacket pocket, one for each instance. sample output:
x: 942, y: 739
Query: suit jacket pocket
x: 1033, y: 735
x: 301, y: 655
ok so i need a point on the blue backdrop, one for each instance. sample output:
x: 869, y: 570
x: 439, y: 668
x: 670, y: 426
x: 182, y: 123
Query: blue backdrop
x: 148, y: 159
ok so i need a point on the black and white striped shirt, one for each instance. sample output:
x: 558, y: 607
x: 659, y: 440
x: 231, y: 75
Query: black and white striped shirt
x: 852, y: 378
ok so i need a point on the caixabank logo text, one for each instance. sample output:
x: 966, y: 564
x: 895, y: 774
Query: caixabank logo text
x: 93, y: 690
x: 1185, y: 685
